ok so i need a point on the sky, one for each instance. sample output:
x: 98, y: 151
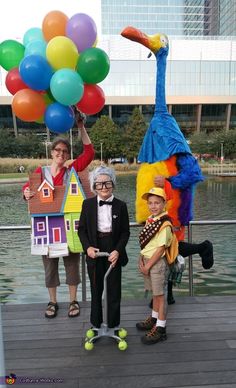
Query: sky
x: 17, y: 16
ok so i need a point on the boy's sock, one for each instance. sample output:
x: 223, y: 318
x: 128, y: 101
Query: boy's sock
x: 161, y: 323
x: 154, y: 314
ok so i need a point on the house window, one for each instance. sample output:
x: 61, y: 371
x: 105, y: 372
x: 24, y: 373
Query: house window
x: 76, y: 225
x: 40, y: 226
x: 74, y: 188
x: 67, y: 225
x: 46, y: 192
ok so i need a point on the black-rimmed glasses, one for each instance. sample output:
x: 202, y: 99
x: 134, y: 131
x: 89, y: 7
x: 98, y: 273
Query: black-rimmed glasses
x: 100, y: 185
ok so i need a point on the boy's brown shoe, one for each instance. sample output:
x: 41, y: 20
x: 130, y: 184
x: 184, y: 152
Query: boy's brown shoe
x: 156, y: 334
x: 147, y: 324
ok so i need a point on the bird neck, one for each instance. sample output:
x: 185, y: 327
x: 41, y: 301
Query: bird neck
x: 160, y: 101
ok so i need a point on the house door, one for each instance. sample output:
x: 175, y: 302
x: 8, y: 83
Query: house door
x: 56, y: 235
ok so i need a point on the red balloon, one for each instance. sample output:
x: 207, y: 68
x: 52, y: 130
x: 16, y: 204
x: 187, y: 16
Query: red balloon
x: 93, y: 99
x: 14, y: 82
x: 28, y: 105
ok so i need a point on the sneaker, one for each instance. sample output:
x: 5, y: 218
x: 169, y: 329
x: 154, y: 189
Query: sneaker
x: 147, y: 324
x: 156, y: 334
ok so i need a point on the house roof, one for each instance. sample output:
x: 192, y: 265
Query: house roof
x: 45, y: 181
x: 84, y: 179
x: 38, y: 207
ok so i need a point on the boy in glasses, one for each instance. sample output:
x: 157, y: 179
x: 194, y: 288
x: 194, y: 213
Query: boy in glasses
x: 104, y: 227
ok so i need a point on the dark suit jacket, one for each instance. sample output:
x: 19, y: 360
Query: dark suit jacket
x: 120, y: 226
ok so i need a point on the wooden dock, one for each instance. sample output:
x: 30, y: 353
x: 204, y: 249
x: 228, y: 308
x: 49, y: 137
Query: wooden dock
x: 200, y: 350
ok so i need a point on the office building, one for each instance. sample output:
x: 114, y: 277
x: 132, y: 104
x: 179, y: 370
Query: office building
x: 201, y: 70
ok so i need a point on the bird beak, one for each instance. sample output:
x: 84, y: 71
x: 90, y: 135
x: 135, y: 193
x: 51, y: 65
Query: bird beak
x: 136, y: 35
x: 153, y: 42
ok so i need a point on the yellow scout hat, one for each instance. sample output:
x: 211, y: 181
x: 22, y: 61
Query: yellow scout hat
x: 155, y: 191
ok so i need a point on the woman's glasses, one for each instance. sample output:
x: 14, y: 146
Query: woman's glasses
x: 60, y: 150
x: 100, y: 185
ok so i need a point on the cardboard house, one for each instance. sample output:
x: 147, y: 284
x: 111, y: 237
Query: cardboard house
x: 55, y: 213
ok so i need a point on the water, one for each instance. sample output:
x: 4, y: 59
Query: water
x: 22, y: 275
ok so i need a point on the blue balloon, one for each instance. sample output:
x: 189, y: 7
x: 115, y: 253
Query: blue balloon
x: 32, y: 34
x: 37, y: 47
x: 36, y: 72
x: 59, y: 118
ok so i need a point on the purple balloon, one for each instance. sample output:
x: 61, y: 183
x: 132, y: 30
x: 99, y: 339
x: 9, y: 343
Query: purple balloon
x: 82, y: 30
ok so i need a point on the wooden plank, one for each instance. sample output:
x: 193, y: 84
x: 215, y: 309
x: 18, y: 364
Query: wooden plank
x: 200, y: 350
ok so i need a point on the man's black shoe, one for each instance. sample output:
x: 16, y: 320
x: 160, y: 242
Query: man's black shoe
x: 207, y: 255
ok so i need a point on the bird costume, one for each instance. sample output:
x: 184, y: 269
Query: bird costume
x: 164, y: 150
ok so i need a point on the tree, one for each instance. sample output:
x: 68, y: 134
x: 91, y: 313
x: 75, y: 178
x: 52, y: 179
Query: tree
x: 8, y: 143
x: 22, y: 146
x: 30, y: 146
x: 105, y: 131
x: 202, y: 143
x: 134, y: 134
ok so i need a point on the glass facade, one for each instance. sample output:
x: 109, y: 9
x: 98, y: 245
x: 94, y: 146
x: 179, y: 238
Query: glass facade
x: 233, y: 117
x: 121, y: 114
x: 6, y: 120
x: 149, y: 15
x: 185, y: 115
x: 173, y: 17
x: 227, y: 20
x: 201, y: 65
x: 213, y: 117
x: 184, y: 78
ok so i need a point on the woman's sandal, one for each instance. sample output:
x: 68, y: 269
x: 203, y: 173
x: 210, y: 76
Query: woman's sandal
x: 74, y: 306
x: 51, y: 311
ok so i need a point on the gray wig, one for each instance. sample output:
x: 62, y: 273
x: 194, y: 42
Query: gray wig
x: 102, y: 170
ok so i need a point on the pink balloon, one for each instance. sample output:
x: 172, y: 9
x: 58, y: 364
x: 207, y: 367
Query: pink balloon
x: 82, y: 30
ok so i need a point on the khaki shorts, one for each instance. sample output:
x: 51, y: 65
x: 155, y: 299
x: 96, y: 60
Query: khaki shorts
x: 71, y: 264
x: 157, y: 279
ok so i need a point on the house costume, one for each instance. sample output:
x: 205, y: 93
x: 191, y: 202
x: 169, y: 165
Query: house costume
x: 58, y: 185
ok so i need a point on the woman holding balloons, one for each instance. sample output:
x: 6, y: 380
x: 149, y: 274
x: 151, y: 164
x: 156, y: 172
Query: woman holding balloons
x: 60, y: 153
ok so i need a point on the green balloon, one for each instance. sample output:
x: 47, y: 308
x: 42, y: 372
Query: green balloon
x: 93, y: 65
x: 11, y: 53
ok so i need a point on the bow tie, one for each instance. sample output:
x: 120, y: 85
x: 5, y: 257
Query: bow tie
x: 101, y: 203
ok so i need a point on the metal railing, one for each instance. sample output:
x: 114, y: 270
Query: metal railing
x: 190, y: 239
x: 223, y: 169
x: 135, y: 225
x: 2, y: 363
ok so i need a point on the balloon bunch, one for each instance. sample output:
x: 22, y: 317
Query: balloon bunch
x: 57, y: 66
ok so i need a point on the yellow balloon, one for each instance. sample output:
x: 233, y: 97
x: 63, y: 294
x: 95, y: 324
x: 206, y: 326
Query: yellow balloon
x: 61, y: 53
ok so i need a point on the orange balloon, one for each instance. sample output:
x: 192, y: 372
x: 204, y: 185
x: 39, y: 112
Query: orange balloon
x: 54, y: 24
x: 28, y: 105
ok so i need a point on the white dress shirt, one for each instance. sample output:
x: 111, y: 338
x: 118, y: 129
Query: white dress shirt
x: 104, y: 216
